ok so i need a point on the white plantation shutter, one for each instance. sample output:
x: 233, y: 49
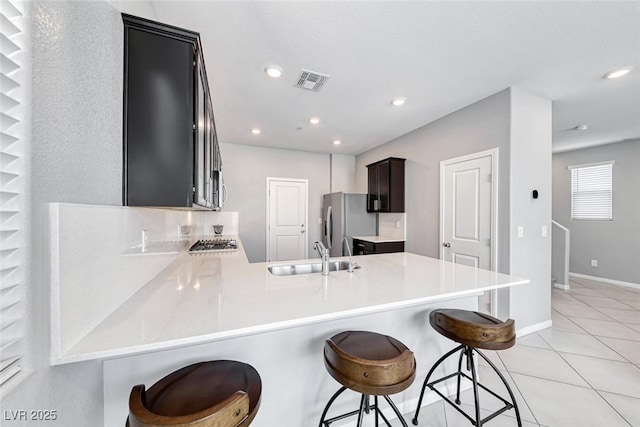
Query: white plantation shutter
x: 13, y: 167
x: 592, y: 191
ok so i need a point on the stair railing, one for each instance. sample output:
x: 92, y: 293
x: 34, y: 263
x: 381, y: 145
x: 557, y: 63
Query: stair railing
x: 560, y: 241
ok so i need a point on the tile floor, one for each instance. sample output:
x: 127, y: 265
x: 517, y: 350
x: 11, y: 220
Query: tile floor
x: 584, y: 371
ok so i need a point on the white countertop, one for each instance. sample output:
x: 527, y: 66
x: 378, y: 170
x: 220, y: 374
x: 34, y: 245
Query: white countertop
x: 209, y: 297
x: 378, y: 239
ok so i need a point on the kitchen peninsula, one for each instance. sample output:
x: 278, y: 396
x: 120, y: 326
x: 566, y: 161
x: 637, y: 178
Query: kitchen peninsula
x: 220, y: 306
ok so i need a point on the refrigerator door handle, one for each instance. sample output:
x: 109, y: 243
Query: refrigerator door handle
x: 329, y: 226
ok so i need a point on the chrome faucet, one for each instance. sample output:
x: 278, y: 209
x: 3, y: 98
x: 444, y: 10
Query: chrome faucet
x: 324, y: 255
x: 352, y: 265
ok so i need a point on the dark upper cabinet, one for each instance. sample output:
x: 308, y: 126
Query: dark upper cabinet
x: 386, y: 185
x: 169, y: 131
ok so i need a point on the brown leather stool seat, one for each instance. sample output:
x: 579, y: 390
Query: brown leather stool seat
x: 370, y: 364
x: 477, y: 330
x: 221, y: 393
x: 473, y: 331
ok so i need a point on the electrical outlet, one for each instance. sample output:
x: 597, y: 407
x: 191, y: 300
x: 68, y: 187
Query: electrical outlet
x: 594, y: 263
x: 545, y: 231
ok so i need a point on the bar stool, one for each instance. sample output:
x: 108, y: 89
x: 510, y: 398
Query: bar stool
x: 473, y: 331
x: 221, y: 393
x: 370, y: 364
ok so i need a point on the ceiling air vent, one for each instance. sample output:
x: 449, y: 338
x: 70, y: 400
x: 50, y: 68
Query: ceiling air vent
x: 311, y: 80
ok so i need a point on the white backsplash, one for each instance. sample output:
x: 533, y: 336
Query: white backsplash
x: 96, y: 257
x: 392, y: 225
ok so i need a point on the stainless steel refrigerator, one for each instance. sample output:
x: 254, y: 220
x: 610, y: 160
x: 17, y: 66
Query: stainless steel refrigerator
x: 345, y: 215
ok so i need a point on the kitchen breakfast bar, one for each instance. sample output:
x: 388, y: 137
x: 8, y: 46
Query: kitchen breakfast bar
x: 220, y: 306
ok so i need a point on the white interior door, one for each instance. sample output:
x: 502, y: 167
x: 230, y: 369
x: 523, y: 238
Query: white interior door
x: 467, y: 217
x: 286, y: 219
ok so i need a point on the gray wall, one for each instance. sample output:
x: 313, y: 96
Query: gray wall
x: 343, y: 173
x: 76, y: 156
x: 615, y: 244
x: 480, y: 126
x: 519, y: 125
x: 530, y: 170
x: 246, y: 169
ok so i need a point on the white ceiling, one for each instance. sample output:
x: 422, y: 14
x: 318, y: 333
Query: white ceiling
x: 440, y: 55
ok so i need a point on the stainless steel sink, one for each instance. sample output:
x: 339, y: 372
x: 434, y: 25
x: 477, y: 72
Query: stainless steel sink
x: 316, y: 267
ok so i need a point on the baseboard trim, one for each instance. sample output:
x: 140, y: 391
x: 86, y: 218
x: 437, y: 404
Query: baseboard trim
x: 561, y: 286
x: 605, y: 280
x: 533, y: 328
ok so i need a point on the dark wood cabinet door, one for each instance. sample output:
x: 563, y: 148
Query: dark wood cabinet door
x: 169, y: 139
x: 364, y: 247
x: 200, y: 178
x: 372, y: 195
x: 386, y: 186
x: 389, y: 247
x: 396, y: 185
x: 158, y: 141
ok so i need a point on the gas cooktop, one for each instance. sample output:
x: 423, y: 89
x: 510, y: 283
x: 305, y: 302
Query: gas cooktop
x: 217, y: 244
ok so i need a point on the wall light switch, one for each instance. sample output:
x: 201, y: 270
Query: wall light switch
x: 594, y: 263
x: 520, y: 232
x: 320, y: 221
x: 544, y: 231
x: 397, y: 223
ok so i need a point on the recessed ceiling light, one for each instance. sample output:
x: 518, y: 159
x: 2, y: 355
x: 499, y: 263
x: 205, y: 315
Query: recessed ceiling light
x: 337, y: 142
x: 618, y: 72
x: 256, y: 131
x: 314, y: 120
x: 582, y: 127
x: 273, y: 71
x: 398, y: 101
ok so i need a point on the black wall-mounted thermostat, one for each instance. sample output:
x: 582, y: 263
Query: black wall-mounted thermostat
x: 534, y: 194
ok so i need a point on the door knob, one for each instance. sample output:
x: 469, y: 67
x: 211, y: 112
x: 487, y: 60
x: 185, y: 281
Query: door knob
x: 301, y: 231
x: 446, y: 245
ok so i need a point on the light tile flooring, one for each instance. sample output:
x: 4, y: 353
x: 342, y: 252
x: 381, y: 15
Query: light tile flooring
x: 584, y: 371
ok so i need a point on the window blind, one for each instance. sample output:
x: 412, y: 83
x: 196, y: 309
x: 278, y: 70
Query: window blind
x: 12, y: 191
x: 592, y: 191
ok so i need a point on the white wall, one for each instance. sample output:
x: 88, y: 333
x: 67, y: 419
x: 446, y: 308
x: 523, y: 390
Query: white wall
x: 246, y: 169
x: 477, y: 127
x: 76, y: 157
x: 530, y: 170
x: 615, y: 244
